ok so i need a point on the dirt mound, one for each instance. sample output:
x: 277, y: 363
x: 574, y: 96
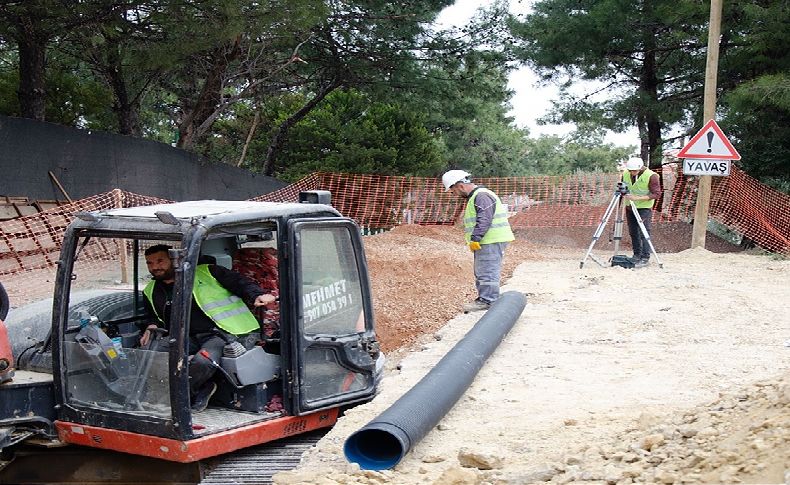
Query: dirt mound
x: 421, y: 276
x: 449, y: 234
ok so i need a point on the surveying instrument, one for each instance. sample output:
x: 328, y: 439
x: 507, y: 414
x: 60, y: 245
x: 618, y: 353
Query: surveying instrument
x: 616, y: 204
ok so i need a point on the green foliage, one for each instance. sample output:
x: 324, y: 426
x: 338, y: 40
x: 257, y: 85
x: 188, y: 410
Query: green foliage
x: 583, y: 150
x: 646, y: 56
x: 758, y: 121
x: 350, y: 135
x: 464, y: 100
x: 756, y: 99
x: 462, y: 96
x: 74, y: 98
x: 486, y: 146
x: 370, y: 87
x: 347, y: 133
x: 9, y: 80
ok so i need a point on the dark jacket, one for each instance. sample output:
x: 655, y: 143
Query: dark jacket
x: 239, y: 285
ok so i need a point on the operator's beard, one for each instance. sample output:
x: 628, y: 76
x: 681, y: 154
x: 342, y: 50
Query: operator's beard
x: 167, y: 275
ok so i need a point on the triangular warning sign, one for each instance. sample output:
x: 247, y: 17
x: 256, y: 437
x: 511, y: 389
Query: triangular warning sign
x: 710, y: 144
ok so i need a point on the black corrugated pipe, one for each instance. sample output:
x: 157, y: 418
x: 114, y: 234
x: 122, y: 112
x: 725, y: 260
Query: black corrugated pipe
x: 383, y: 442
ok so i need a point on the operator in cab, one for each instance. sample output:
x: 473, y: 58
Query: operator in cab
x: 219, y: 313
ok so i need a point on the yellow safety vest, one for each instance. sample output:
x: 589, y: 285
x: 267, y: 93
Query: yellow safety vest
x: 226, y: 310
x: 640, y: 187
x: 499, y: 231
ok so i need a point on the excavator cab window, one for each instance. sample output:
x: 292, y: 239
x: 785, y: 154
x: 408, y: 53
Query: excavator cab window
x: 334, y: 319
x: 105, y: 367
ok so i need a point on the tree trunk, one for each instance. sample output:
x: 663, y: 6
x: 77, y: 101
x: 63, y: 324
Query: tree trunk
x: 649, y: 87
x: 128, y: 120
x: 127, y: 111
x: 32, y: 72
x: 210, y: 96
x: 278, y: 139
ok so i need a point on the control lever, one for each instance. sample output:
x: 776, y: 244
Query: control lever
x: 214, y: 364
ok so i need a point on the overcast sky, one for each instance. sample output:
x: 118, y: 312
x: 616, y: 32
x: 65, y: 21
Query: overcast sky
x: 530, y: 101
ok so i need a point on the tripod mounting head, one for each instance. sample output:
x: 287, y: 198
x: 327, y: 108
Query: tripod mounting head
x: 622, y: 188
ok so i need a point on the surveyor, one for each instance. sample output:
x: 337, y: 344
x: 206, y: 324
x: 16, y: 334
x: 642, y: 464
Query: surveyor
x: 487, y: 233
x: 644, y: 188
x: 218, y: 314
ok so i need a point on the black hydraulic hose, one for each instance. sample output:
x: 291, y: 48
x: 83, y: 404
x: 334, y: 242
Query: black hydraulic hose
x: 383, y: 442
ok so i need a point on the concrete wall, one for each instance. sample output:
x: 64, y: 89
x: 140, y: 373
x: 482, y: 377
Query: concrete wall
x: 87, y: 163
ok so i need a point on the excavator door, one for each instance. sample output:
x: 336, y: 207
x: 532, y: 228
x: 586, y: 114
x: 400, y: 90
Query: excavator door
x: 333, y: 345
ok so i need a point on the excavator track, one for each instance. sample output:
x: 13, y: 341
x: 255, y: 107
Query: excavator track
x: 80, y: 465
x: 257, y: 465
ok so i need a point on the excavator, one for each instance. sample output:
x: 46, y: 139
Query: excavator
x: 81, y: 401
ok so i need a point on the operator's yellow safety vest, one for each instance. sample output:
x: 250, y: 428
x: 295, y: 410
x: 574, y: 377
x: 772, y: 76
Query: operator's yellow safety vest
x: 225, y: 309
x: 640, y: 187
x: 500, y: 227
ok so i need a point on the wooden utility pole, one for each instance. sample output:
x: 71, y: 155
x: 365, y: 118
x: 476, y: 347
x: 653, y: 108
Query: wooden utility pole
x: 709, y: 113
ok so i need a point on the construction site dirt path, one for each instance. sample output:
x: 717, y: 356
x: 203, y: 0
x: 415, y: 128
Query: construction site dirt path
x: 673, y: 375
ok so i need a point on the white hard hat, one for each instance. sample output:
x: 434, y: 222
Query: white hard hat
x: 453, y: 177
x: 634, y: 163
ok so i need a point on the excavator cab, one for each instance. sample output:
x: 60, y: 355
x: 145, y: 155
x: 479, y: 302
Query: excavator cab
x: 314, y: 354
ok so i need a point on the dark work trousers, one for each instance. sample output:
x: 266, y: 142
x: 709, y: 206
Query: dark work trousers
x: 200, y: 369
x: 488, y: 269
x: 638, y: 240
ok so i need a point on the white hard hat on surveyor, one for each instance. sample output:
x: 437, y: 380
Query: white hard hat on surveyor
x: 452, y: 177
x: 634, y: 163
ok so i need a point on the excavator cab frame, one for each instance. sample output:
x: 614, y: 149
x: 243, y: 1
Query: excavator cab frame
x: 322, y: 356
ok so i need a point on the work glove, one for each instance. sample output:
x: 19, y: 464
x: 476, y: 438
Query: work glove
x: 474, y: 246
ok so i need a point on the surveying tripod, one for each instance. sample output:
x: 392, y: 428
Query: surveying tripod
x: 616, y: 204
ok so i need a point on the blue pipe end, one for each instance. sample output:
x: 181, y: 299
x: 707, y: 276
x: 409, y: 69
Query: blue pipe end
x: 374, y: 448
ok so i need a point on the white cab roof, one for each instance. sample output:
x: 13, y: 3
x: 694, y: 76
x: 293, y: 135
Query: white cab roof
x: 195, y: 208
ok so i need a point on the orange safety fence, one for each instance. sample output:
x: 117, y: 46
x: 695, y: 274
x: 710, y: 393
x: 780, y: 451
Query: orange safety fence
x: 748, y: 207
x: 29, y: 245
x: 739, y: 202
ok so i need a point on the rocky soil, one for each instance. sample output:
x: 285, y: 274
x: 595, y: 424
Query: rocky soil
x: 659, y: 375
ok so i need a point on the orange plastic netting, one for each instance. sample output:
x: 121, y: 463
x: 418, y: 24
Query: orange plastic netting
x: 29, y: 245
x: 738, y: 202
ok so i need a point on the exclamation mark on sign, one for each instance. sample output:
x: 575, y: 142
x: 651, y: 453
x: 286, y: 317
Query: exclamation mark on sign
x: 710, y: 141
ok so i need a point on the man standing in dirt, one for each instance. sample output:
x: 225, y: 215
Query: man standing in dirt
x: 487, y: 233
x: 644, y: 188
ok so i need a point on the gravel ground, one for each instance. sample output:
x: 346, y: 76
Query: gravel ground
x: 673, y: 375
